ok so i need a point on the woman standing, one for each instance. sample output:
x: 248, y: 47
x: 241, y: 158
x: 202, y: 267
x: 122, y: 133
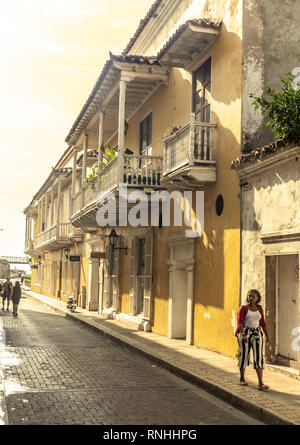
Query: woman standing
x: 251, y: 323
x: 16, y: 298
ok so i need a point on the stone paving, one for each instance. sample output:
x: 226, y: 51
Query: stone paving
x: 56, y: 372
x: 214, y: 372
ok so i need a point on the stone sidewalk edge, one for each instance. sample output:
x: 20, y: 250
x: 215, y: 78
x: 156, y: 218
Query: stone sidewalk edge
x: 259, y: 412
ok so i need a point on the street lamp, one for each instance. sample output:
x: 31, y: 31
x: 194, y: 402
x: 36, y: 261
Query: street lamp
x: 113, y: 240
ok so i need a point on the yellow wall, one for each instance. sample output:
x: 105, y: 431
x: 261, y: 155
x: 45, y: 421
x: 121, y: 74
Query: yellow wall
x: 216, y: 285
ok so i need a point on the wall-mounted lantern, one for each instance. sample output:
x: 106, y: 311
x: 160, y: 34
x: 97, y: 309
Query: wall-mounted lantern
x: 39, y: 259
x: 113, y: 241
x: 67, y: 253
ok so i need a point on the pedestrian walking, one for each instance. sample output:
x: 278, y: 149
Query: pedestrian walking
x: 7, y: 293
x: 16, y: 295
x: 251, y: 325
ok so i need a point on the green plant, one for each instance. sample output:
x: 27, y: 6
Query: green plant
x: 109, y: 155
x: 282, y: 109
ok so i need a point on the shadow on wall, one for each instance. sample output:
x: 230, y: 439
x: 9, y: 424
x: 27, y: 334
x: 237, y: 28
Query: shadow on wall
x: 218, y: 252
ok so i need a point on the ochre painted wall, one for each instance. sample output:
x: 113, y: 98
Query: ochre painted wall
x: 216, y: 283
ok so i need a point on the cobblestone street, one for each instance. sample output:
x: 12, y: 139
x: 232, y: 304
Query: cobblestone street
x: 57, y: 372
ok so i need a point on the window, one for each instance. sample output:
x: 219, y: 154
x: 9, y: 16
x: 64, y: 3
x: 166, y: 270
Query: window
x: 202, y: 92
x: 146, y: 136
x: 201, y: 108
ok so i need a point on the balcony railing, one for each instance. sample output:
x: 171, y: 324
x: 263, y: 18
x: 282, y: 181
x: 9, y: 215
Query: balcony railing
x: 136, y: 171
x: 29, y: 245
x: 190, y: 145
x: 58, y: 232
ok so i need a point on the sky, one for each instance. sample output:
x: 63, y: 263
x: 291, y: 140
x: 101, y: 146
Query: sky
x: 52, y: 52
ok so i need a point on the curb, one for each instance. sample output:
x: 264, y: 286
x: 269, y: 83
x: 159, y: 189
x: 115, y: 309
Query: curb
x: 258, y: 412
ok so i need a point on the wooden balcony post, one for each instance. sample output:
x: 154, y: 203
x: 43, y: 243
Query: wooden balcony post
x: 52, y: 207
x: 192, y: 140
x: 58, y: 207
x: 100, y: 143
x: 46, y: 210
x: 26, y: 230
x: 121, y: 129
x: 84, y: 160
x: 74, y: 171
x: 39, y: 216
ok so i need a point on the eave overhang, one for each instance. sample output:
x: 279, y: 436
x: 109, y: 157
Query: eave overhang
x: 188, y: 42
x: 263, y: 160
x: 142, y: 74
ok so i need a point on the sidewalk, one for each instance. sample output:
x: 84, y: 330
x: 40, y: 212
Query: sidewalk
x: 211, y: 371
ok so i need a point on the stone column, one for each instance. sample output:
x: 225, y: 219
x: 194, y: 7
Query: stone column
x: 121, y: 129
x: 93, y: 284
x: 190, y: 304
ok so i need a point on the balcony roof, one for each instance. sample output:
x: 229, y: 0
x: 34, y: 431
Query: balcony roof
x: 188, y: 42
x: 143, y: 75
x: 55, y: 173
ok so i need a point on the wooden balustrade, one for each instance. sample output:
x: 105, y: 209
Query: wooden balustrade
x: 189, y: 145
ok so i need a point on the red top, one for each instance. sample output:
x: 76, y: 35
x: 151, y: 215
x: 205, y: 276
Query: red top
x: 242, y: 314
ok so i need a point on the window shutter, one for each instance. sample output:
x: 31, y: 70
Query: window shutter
x: 132, y: 277
x: 148, y: 273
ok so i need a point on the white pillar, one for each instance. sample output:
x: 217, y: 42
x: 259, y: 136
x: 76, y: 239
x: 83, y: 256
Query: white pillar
x: 52, y: 207
x: 26, y: 230
x: 190, y: 304
x: 74, y: 171
x: 30, y: 227
x: 93, y: 284
x: 84, y: 160
x: 100, y: 143
x: 46, y: 211
x: 121, y: 129
x: 58, y: 203
x: 38, y: 218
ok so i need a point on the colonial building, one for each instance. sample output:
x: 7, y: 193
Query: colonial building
x: 270, y: 189
x: 174, y: 105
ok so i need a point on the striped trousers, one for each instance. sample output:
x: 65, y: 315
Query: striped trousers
x: 255, y: 342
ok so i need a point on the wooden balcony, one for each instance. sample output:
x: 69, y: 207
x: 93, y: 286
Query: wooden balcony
x: 188, y: 157
x: 59, y: 235
x: 136, y: 171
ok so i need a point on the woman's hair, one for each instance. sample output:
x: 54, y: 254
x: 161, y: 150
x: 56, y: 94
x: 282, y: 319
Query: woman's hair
x: 253, y: 291
x: 17, y: 284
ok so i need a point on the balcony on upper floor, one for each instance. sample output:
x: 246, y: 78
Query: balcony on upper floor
x: 188, y: 156
x: 29, y: 247
x: 135, y: 171
x: 57, y: 236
